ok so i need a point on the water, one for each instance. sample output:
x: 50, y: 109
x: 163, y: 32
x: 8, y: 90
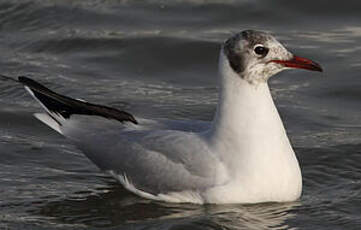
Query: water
x: 155, y: 58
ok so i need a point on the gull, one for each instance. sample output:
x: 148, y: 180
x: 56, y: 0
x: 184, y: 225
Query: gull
x: 242, y: 156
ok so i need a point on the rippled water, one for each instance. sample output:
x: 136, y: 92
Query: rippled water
x: 158, y: 58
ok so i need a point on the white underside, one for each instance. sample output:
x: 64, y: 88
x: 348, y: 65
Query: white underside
x: 187, y: 196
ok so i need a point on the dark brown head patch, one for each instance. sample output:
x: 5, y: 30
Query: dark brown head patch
x: 235, y: 49
x: 233, y: 52
x: 254, y: 37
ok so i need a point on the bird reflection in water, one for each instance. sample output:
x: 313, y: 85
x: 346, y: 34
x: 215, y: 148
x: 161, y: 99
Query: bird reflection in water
x: 114, y: 206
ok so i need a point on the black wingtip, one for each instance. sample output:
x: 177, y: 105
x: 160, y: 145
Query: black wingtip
x: 23, y: 79
x: 31, y: 83
x: 132, y: 119
x: 67, y: 106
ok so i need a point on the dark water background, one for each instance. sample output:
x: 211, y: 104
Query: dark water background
x: 158, y: 58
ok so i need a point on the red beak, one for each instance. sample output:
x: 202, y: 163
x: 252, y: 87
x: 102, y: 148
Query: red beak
x: 300, y: 62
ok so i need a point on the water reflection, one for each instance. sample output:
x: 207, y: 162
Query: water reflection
x: 117, y: 207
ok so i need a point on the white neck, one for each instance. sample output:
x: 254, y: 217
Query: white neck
x: 245, y: 110
x: 248, y: 135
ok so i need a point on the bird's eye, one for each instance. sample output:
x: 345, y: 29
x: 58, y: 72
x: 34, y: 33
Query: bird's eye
x: 261, y: 50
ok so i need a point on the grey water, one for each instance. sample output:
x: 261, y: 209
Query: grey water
x: 158, y: 58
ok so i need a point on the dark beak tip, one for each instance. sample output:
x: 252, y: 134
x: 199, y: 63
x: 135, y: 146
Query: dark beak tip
x: 318, y: 67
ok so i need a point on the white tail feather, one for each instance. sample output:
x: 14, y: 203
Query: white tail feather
x: 49, y: 121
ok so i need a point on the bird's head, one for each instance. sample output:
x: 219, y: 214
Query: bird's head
x: 256, y: 56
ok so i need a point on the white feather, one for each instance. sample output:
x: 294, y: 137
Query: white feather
x: 46, y: 119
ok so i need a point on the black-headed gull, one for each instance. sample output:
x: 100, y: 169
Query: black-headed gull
x: 242, y: 156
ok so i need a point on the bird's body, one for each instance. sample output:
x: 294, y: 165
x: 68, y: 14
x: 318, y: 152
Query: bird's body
x: 242, y: 156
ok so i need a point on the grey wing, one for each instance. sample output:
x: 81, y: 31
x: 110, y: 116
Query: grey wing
x: 153, y: 161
